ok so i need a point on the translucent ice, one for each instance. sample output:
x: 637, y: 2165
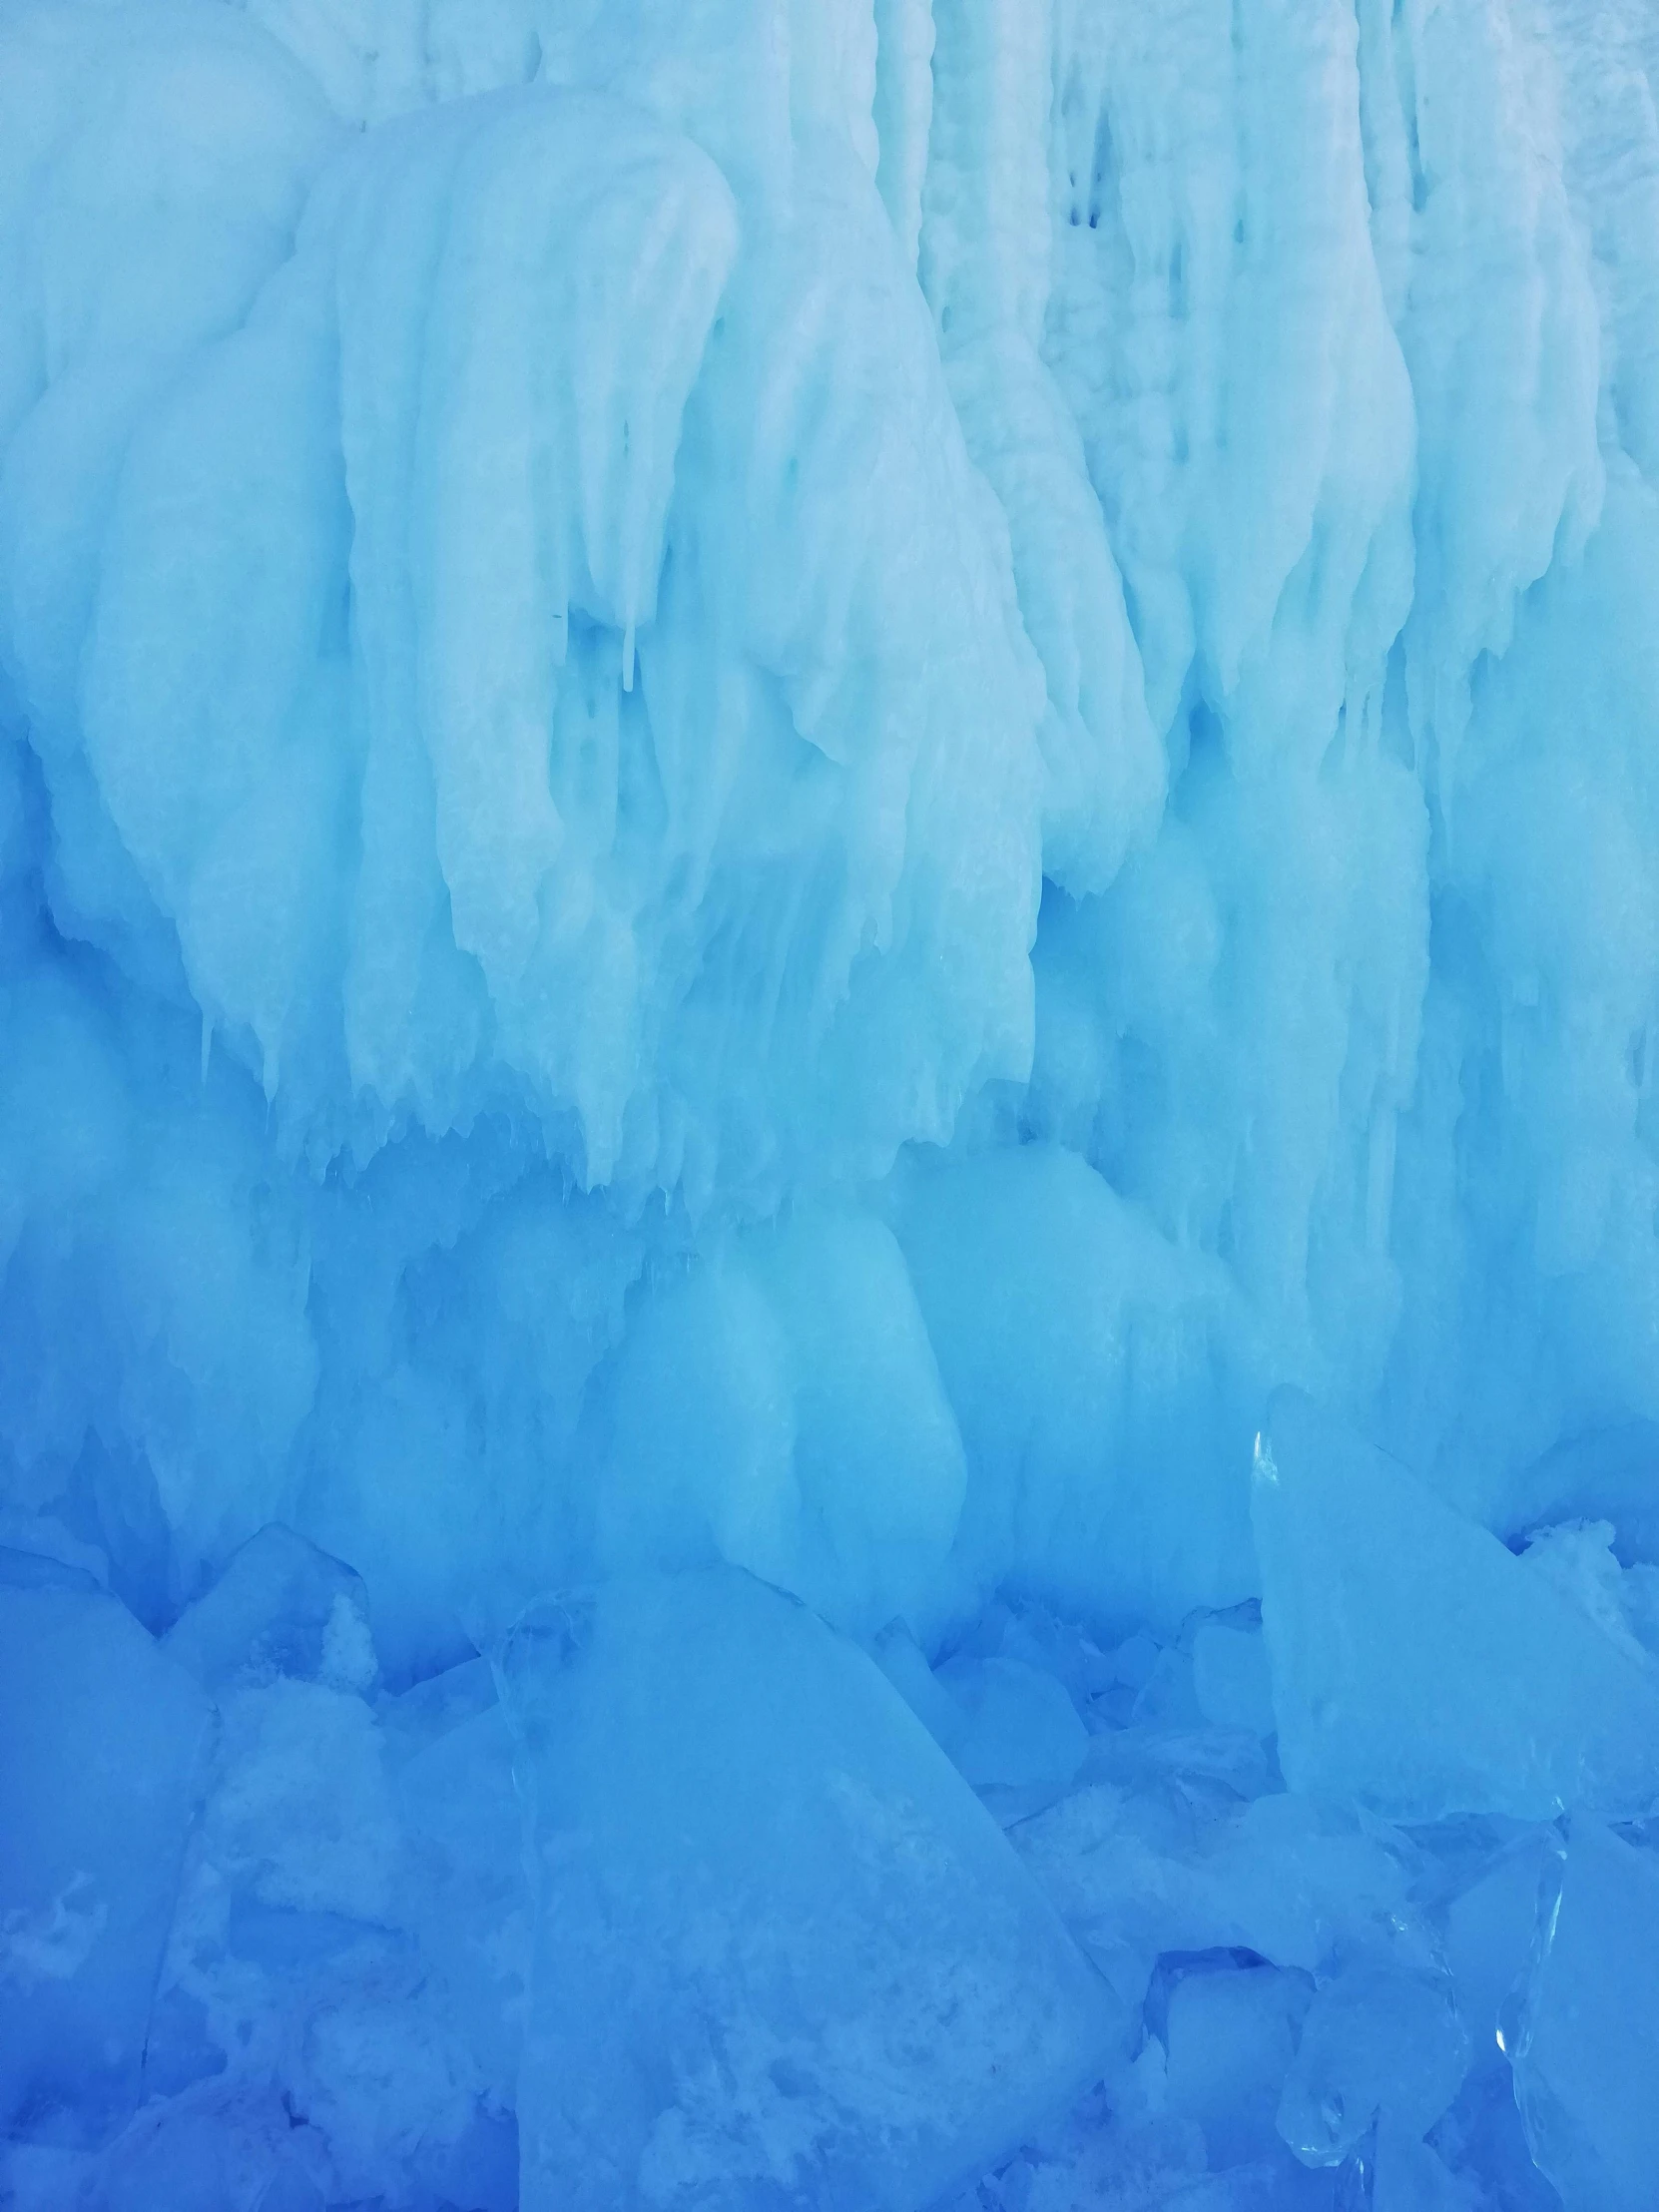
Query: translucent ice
x: 1490, y: 1921
x: 753, y: 1870
x: 1418, y: 1665
x: 1380, y: 2042
x: 1586, y: 2041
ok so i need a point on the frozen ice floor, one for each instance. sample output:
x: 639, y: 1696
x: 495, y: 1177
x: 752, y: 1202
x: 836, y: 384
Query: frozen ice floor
x: 685, y: 1900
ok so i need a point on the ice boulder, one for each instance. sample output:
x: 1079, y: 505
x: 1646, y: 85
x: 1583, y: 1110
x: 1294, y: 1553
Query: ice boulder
x: 1419, y: 1668
x: 783, y: 1955
x: 1587, y: 2052
x: 99, y: 1738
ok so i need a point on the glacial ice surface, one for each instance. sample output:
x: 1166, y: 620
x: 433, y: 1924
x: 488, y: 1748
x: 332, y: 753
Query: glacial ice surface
x: 829, y: 838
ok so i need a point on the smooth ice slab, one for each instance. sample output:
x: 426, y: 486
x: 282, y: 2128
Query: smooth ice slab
x: 783, y: 1955
x: 1418, y: 1667
x: 1587, y: 2055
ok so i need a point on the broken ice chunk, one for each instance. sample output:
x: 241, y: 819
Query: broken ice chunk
x: 783, y: 1955
x: 1380, y: 2041
x: 1418, y: 1667
x: 1586, y: 2056
x: 1139, y: 1873
x: 1230, y: 2030
x: 99, y: 1741
x: 465, y: 1893
x: 1489, y: 1927
x: 1023, y: 1733
x: 1231, y: 1679
x: 904, y: 1663
x: 282, y: 1607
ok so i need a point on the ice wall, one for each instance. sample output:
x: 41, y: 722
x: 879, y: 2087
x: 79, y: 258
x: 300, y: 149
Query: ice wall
x: 780, y: 783
x: 828, y: 919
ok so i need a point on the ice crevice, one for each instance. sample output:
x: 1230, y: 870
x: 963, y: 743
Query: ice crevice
x: 829, y: 1174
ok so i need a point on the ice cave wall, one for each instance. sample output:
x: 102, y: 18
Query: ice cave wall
x: 783, y: 781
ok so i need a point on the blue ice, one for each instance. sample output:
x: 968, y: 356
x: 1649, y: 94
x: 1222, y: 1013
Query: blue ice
x: 829, y: 1105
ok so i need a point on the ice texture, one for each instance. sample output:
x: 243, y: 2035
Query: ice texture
x: 789, y: 789
x: 783, y: 1955
x: 632, y: 635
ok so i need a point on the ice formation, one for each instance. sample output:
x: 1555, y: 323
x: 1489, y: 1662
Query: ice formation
x: 829, y: 1124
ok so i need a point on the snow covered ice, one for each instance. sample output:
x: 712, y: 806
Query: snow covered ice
x: 829, y: 1105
